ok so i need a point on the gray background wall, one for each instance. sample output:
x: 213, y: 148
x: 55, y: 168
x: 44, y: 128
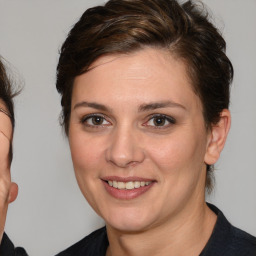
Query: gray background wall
x: 50, y: 212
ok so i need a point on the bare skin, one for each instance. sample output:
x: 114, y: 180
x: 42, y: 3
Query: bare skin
x: 8, y: 189
x: 187, y: 238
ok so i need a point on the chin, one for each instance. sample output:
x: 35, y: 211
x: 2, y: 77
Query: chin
x: 129, y: 221
x: 127, y: 226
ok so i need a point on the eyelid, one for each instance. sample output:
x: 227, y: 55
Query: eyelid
x: 92, y: 115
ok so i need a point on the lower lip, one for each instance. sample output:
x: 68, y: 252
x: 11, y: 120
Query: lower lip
x: 127, y: 194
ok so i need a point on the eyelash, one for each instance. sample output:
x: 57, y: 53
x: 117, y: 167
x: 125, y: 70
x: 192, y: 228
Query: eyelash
x: 164, y: 118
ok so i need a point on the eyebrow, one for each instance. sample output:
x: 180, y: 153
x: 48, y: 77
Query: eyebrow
x: 92, y: 105
x: 156, y: 105
x: 142, y: 108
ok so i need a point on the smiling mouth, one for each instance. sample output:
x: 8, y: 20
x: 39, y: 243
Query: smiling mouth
x: 128, y: 185
x: 127, y: 188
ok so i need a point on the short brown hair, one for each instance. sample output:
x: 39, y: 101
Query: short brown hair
x: 124, y: 26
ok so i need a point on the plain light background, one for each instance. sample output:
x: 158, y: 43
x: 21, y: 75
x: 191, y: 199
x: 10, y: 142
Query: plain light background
x: 50, y: 213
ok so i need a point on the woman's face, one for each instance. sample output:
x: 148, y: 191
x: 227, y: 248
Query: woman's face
x: 138, y: 139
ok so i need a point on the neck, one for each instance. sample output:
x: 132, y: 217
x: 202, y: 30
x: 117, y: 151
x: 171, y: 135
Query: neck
x: 184, y: 235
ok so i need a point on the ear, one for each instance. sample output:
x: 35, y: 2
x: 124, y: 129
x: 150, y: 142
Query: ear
x: 217, y: 138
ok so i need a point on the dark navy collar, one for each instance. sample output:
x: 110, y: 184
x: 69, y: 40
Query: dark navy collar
x: 227, y: 240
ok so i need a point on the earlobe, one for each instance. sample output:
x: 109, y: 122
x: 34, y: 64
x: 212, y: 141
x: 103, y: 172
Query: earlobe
x: 13, y: 193
x: 217, y: 138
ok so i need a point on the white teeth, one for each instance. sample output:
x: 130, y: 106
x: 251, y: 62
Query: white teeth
x: 120, y: 185
x: 115, y: 184
x: 137, y: 184
x: 128, y: 185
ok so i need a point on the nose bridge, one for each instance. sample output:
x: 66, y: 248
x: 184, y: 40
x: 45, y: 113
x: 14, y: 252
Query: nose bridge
x: 124, y: 147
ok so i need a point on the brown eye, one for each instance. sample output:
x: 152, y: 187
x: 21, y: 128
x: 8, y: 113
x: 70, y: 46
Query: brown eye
x: 95, y: 120
x: 159, y: 121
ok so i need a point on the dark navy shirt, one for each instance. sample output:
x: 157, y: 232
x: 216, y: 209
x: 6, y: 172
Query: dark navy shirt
x: 226, y: 240
x: 7, y: 248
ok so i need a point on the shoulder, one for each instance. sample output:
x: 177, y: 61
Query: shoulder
x: 241, y: 242
x: 228, y: 240
x: 7, y: 248
x: 94, y: 244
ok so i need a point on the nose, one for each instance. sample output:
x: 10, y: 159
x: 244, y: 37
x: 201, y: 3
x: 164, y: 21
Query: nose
x: 124, y: 148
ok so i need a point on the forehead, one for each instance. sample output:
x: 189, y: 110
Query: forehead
x: 144, y: 76
x: 156, y: 59
x: 5, y: 122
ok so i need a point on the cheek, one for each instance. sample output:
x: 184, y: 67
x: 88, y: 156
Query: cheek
x: 180, y: 155
x: 86, y: 153
x: 86, y: 157
x: 179, y: 164
x: 170, y: 153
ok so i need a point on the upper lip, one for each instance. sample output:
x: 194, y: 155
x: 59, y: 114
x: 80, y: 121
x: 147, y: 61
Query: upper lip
x: 125, y: 179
